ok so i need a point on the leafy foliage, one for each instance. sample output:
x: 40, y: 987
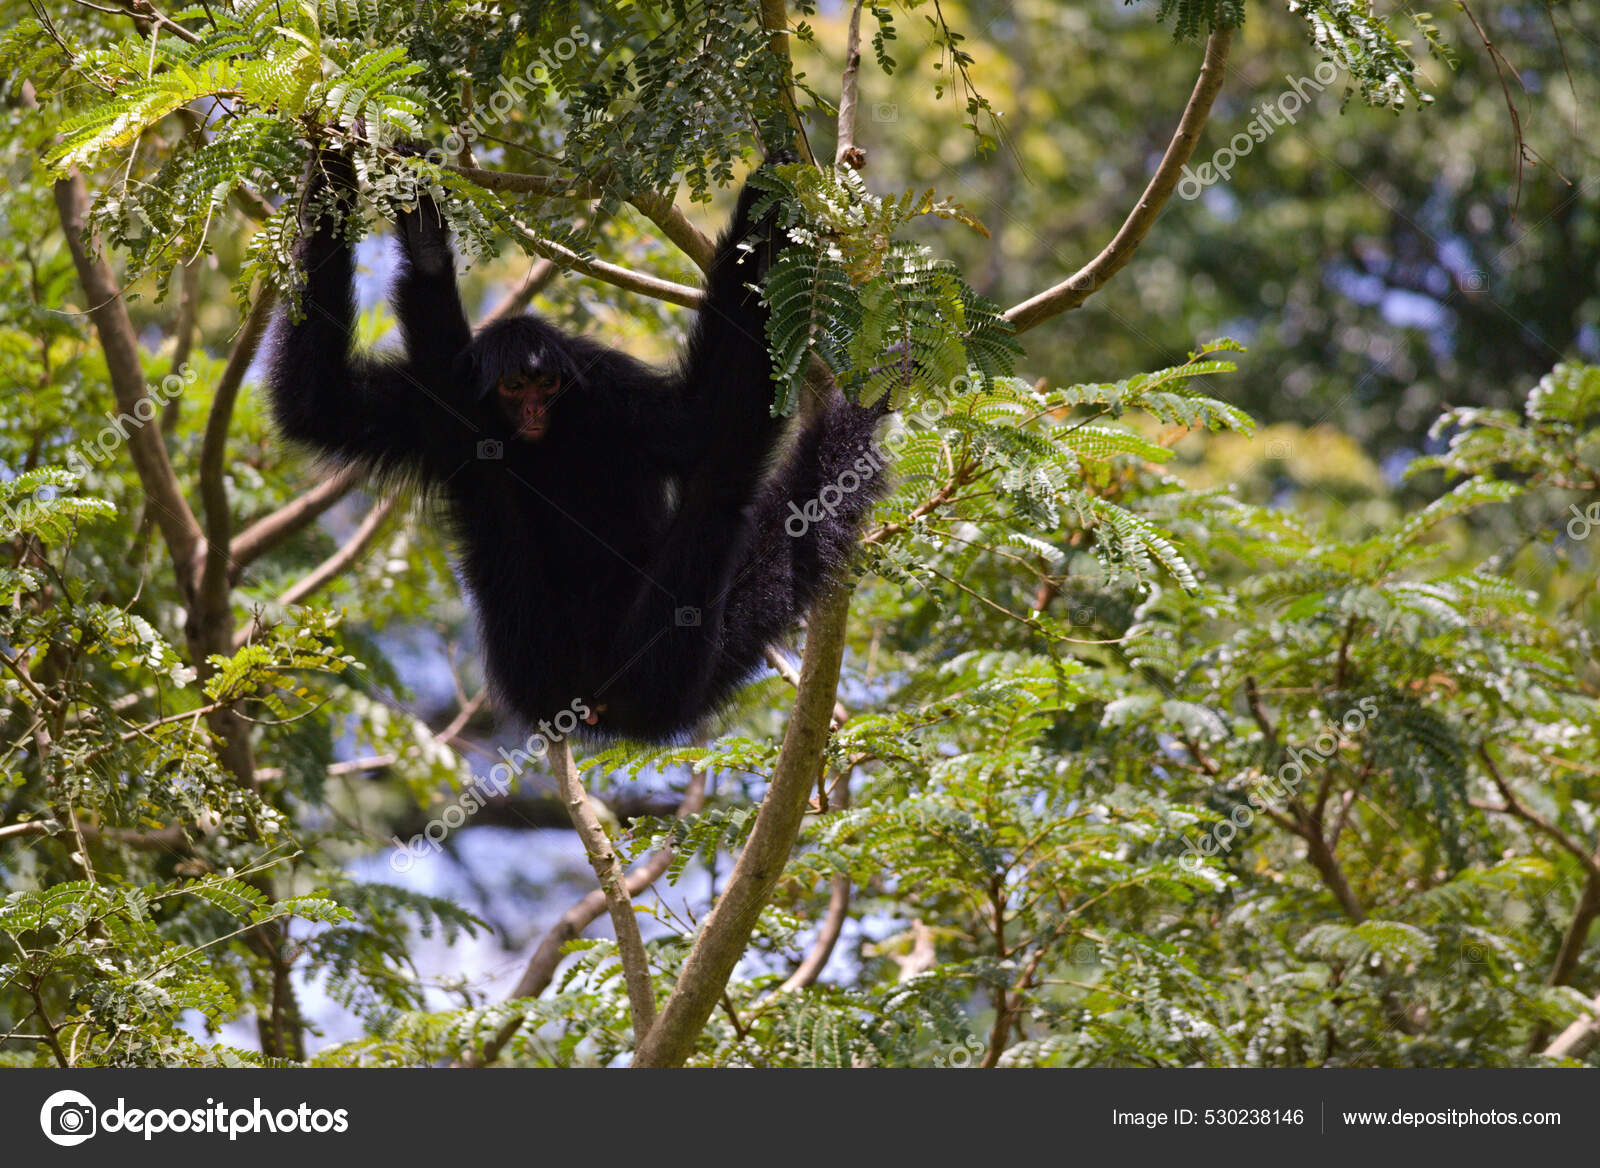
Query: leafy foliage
x: 1161, y: 750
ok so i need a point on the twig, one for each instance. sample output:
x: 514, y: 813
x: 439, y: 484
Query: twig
x: 1515, y: 807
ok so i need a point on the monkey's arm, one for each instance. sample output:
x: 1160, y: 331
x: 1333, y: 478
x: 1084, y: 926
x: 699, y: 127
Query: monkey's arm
x: 392, y: 414
x: 727, y: 372
x: 425, y: 296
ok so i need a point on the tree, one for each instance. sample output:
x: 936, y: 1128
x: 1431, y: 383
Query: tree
x: 1071, y: 672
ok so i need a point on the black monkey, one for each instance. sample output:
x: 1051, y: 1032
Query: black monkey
x: 629, y: 552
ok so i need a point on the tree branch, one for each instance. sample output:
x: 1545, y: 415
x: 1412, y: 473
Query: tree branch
x: 659, y: 209
x: 348, y: 553
x: 608, y: 870
x: 1515, y: 807
x: 183, y: 331
x: 690, y: 240
x: 1577, y: 1039
x: 846, y: 152
x: 1090, y: 278
x: 726, y: 930
x: 342, y: 558
x: 267, y: 532
x: 775, y: 19
x: 613, y: 273
x: 542, y: 966
x: 517, y: 300
x: 215, y: 577
x: 816, y: 958
x: 780, y: 663
x: 179, y: 527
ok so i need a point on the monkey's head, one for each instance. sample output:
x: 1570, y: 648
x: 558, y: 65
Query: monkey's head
x: 520, y: 368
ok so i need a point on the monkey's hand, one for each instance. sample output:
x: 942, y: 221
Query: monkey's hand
x: 426, y: 238
x: 329, y: 189
x: 423, y: 231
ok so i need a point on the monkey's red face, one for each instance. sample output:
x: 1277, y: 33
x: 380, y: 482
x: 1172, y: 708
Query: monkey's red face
x: 525, y: 401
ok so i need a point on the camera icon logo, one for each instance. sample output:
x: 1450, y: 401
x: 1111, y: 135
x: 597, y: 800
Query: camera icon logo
x: 491, y: 449
x: 686, y: 618
x: 68, y: 1118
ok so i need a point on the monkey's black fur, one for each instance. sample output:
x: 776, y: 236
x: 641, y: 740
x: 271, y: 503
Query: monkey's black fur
x: 635, y: 559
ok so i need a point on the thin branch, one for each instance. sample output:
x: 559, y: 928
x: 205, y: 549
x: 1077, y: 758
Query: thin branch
x: 846, y: 152
x: 608, y: 870
x: 215, y: 575
x: 1332, y: 873
x: 32, y: 827
x: 775, y: 19
x: 541, y: 968
x: 622, y: 277
x: 1515, y: 807
x: 816, y: 958
x: 780, y: 663
x: 1090, y: 278
x: 144, y: 10
x: 183, y: 331
x: 517, y: 300
x: 1576, y: 936
x: 253, y: 203
x: 690, y: 240
x: 659, y: 209
x: 348, y: 553
x: 539, y: 276
x: 267, y: 532
x: 517, y: 183
x: 1577, y: 1039
x: 329, y: 569
x: 1252, y: 697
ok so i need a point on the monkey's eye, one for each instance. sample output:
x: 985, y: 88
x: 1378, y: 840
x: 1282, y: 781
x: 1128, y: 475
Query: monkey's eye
x: 513, y: 387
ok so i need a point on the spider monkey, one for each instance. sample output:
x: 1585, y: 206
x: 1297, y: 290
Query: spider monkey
x: 629, y: 545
